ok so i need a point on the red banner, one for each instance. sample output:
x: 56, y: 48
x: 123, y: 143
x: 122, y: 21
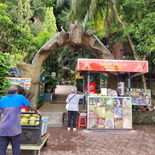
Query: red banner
x: 112, y: 65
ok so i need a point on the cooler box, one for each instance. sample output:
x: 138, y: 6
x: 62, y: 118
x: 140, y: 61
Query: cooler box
x: 44, y: 125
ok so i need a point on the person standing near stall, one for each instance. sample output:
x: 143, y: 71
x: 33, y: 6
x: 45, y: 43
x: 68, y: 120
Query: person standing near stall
x: 10, y: 128
x: 73, y: 107
x: 92, y: 86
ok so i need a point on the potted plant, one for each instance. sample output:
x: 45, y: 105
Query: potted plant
x: 50, y: 83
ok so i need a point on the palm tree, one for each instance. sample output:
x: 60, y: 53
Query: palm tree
x: 85, y: 10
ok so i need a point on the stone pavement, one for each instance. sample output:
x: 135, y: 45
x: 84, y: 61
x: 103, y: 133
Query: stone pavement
x: 139, y: 141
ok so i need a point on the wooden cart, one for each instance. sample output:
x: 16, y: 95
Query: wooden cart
x: 34, y: 147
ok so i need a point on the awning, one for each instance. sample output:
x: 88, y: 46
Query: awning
x: 135, y: 68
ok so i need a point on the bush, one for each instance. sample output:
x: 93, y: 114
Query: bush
x: 5, y: 64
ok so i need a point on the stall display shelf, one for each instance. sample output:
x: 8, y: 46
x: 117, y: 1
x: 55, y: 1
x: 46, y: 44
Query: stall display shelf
x: 141, y: 97
x: 109, y: 113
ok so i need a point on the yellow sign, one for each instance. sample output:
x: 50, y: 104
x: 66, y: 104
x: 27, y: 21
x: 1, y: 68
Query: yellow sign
x: 78, y: 76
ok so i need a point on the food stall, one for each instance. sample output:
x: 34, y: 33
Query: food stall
x: 110, y: 111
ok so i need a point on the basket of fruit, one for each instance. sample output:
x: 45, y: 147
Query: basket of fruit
x: 31, y: 124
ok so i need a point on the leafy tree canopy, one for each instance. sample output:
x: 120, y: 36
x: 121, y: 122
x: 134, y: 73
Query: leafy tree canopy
x: 122, y: 19
x: 5, y: 63
x: 13, y: 39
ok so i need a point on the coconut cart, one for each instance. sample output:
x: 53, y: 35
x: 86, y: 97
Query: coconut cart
x: 34, y: 132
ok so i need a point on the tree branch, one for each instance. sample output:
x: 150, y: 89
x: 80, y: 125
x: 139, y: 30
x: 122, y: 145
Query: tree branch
x: 124, y: 28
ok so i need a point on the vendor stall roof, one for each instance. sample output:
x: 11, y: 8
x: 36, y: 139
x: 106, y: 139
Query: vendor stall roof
x: 115, y: 66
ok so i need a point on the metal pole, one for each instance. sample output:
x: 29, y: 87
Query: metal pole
x: 129, y: 84
x: 88, y: 78
x: 88, y: 82
x: 83, y: 101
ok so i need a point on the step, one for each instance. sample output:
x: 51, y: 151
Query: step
x: 55, y: 118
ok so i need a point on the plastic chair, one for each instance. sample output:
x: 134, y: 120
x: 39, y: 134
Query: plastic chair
x: 82, y: 121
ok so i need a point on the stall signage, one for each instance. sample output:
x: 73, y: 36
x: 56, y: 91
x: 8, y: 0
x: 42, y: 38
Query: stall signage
x: 112, y: 65
x: 23, y: 82
x: 140, y: 96
x: 78, y: 76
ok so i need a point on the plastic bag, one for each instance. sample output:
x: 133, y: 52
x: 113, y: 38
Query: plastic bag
x: 66, y: 106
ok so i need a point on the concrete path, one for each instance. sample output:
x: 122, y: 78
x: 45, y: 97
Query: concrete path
x: 56, y: 108
x: 139, y: 141
x: 58, y: 102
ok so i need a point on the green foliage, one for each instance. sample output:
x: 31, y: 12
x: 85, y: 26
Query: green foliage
x: 80, y: 10
x: 36, y: 29
x: 17, y: 41
x: 16, y: 58
x: 70, y: 56
x: 61, y: 19
x: 49, y: 28
x: 49, y: 24
x: 64, y: 61
x: 12, y: 9
x: 135, y: 108
x: 13, y: 39
x: 89, y: 11
x: 4, y: 67
x: 141, y: 27
x: 138, y: 17
x: 38, y: 8
x: 50, y: 3
x: 2, y: 9
x: 20, y: 14
x: 79, y: 84
x: 50, y: 81
x: 27, y: 15
x: 42, y: 38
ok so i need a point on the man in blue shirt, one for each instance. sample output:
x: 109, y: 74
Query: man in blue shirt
x: 10, y: 128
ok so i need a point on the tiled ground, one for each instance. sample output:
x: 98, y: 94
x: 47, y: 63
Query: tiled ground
x: 139, y: 141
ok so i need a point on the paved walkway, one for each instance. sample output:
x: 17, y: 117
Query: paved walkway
x: 139, y: 141
x: 58, y: 103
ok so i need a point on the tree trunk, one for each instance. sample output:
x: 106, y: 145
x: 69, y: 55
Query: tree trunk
x: 124, y: 27
x: 33, y: 72
x: 144, y: 82
x: 112, y: 81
